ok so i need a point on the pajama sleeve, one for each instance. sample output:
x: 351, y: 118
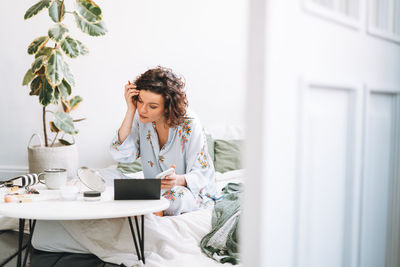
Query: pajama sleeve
x: 129, y: 150
x: 199, y: 168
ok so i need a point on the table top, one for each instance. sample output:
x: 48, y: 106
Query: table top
x: 56, y: 209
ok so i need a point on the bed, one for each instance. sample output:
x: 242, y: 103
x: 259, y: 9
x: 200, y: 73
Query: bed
x: 170, y: 240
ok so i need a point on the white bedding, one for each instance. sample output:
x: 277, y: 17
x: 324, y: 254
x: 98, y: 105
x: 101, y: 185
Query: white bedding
x: 169, y: 241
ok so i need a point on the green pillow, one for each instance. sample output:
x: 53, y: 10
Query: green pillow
x: 210, y: 145
x: 132, y: 167
x: 227, y: 155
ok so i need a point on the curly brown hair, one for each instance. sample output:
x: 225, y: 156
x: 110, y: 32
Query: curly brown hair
x: 163, y: 81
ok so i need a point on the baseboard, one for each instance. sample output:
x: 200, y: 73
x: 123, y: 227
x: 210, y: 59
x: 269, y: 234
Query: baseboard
x: 7, y: 172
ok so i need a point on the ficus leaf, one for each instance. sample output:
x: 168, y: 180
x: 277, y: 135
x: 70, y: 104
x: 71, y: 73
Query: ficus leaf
x: 73, y: 47
x: 68, y: 75
x: 38, y: 63
x: 75, y: 101
x: 83, y: 50
x: 56, y: 96
x: 46, y: 93
x: 55, y: 9
x: 57, y: 32
x: 36, y: 85
x: 44, y: 51
x: 29, y: 75
x: 64, y: 142
x: 65, y: 106
x: 89, y: 10
x: 53, y: 127
x: 36, y: 8
x: 65, y: 89
x: 64, y: 122
x: 93, y: 29
x: 41, y: 70
x: 70, y: 47
x: 54, y: 68
x: 37, y: 44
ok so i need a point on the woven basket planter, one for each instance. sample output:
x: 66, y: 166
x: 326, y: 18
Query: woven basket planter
x: 58, y: 156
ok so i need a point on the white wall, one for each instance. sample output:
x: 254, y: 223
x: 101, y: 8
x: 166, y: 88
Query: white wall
x: 205, y: 41
x: 320, y: 165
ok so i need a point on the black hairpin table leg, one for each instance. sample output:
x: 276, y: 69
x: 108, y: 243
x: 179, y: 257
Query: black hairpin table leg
x: 140, y: 235
x: 20, y: 239
x: 32, y: 224
x: 139, y: 242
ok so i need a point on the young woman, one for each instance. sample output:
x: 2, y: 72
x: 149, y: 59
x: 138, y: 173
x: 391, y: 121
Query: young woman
x: 158, y: 129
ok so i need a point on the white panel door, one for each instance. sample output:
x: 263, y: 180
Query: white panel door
x: 324, y: 181
x: 323, y: 176
x: 327, y: 181
x: 379, y: 181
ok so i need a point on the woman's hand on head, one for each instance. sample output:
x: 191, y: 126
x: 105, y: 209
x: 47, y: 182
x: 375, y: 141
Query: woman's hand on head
x: 130, y: 92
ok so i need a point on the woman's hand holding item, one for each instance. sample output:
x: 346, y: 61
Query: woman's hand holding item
x: 173, y: 180
x: 130, y: 92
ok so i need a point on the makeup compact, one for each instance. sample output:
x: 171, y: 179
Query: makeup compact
x: 91, y: 195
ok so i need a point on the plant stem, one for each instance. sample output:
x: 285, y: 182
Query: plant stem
x: 55, y: 138
x: 61, y: 10
x: 44, y: 108
x: 44, y: 127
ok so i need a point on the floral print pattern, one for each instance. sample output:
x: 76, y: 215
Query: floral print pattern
x: 172, y: 194
x: 185, y: 132
x: 151, y: 163
x: 115, y: 145
x: 148, y: 138
x: 204, y: 199
x: 203, y: 158
x: 161, y: 159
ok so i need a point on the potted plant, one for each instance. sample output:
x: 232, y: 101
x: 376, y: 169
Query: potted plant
x: 50, y: 79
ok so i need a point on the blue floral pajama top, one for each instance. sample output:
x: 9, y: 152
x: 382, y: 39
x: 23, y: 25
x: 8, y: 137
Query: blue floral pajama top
x: 186, y: 148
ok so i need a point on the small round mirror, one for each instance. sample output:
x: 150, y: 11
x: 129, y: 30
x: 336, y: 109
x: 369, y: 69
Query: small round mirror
x: 91, y: 179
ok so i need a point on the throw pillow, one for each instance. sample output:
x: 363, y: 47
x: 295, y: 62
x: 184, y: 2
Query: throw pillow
x: 210, y: 145
x: 227, y: 155
x: 132, y: 167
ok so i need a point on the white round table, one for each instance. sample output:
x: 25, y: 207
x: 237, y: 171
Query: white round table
x: 81, y: 210
x: 49, y: 206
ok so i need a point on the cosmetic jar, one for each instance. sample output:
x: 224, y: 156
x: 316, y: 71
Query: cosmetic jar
x: 91, y: 195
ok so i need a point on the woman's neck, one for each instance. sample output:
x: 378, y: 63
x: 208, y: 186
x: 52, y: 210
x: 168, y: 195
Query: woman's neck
x: 161, y: 126
x: 162, y: 130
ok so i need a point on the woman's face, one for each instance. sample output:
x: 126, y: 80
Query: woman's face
x: 150, y: 107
